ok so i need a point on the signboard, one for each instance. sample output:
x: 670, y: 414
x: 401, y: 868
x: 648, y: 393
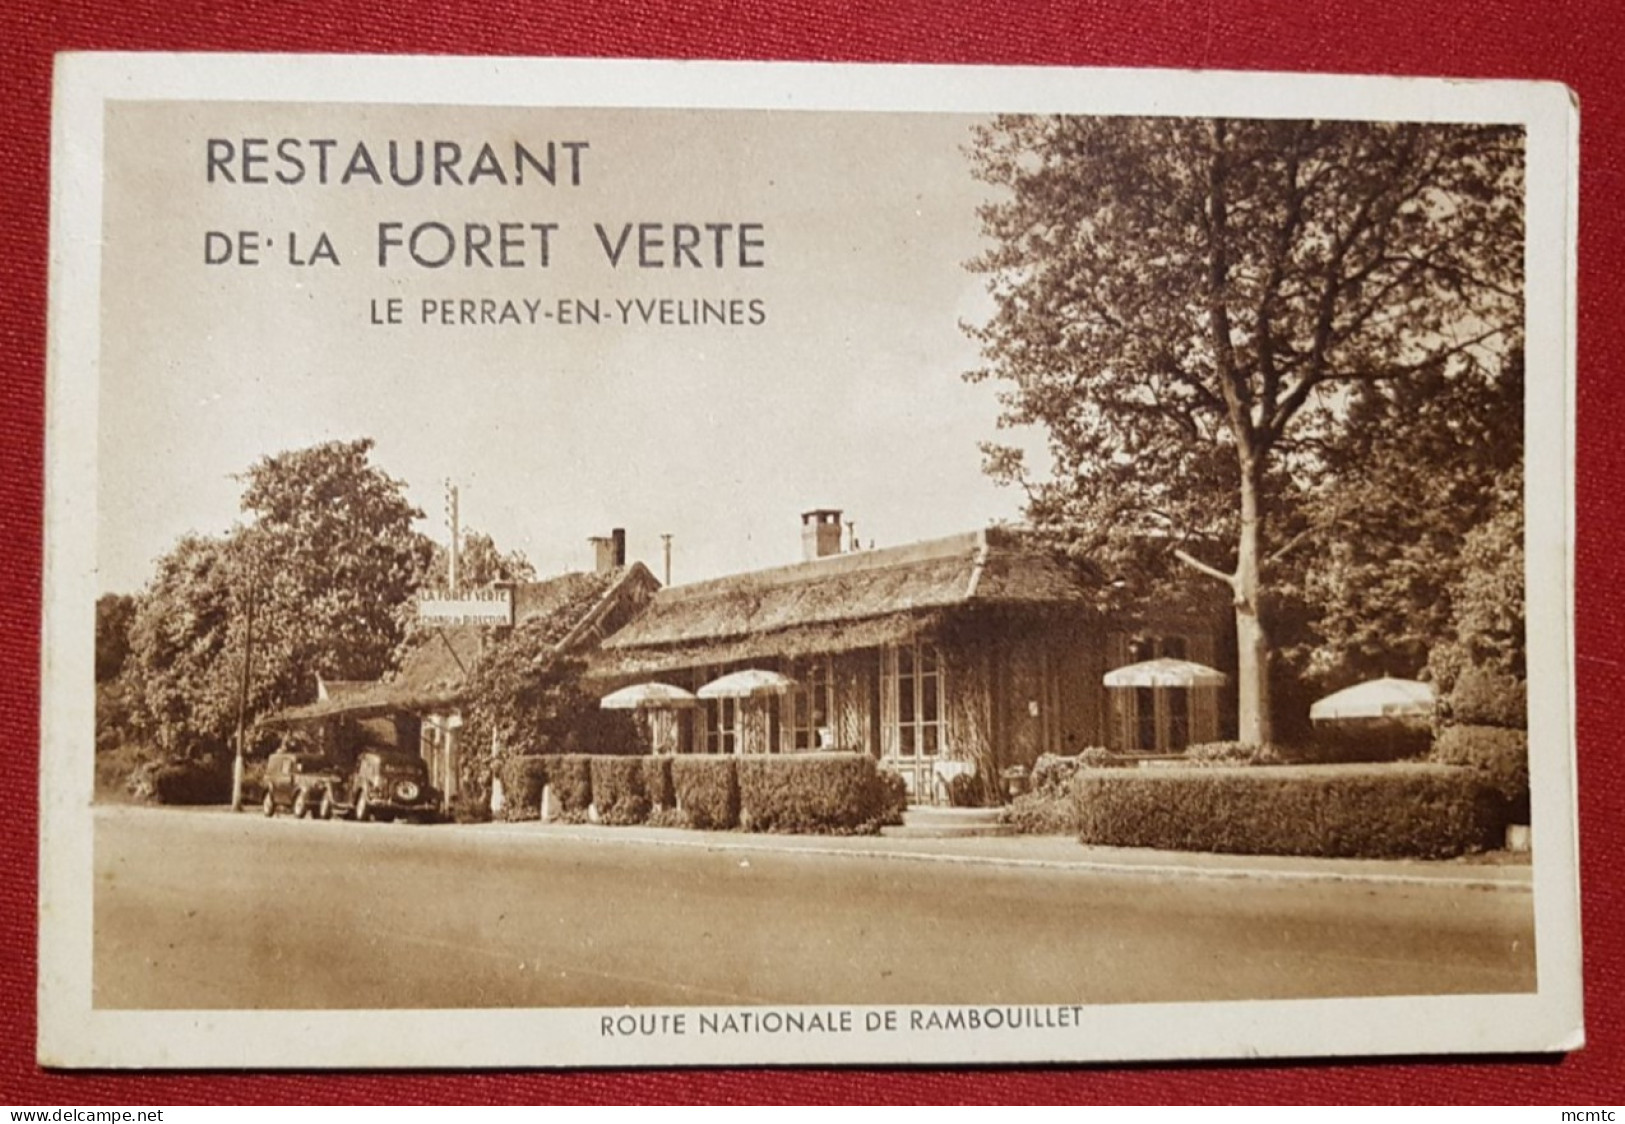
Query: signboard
x: 482, y: 606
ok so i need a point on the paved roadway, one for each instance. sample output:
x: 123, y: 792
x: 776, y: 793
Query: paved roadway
x: 202, y: 909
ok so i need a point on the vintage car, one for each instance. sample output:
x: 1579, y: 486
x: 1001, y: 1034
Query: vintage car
x: 389, y: 784
x: 305, y: 784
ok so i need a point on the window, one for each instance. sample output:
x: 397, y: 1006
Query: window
x: 808, y: 708
x: 915, y: 680
x: 1154, y: 719
x: 721, y: 725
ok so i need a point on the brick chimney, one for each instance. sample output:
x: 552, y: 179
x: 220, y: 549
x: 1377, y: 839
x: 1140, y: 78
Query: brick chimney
x: 609, y: 551
x: 820, y: 533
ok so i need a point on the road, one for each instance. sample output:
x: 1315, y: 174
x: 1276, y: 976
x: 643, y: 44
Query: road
x: 202, y: 909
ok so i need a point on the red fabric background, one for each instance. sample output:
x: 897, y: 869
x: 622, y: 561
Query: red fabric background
x: 1574, y: 41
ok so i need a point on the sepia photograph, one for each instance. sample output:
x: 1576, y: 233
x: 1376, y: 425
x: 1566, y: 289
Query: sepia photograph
x: 569, y: 564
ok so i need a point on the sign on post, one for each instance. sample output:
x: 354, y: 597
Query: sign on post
x: 484, y: 606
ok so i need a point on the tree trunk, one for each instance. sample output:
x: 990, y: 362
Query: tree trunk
x: 1254, y: 724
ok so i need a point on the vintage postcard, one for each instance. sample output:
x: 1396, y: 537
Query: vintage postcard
x: 575, y: 563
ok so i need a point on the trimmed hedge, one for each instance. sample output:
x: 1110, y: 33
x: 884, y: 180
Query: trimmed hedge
x: 809, y: 792
x: 707, y: 790
x: 618, y: 791
x: 522, y: 781
x: 1335, y: 811
x: 1499, y: 756
x: 657, y: 782
x: 570, y: 775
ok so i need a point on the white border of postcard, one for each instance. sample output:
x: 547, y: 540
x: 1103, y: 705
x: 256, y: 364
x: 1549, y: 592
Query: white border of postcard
x: 72, y: 1033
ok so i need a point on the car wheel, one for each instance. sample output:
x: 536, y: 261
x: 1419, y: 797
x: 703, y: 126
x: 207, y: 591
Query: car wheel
x: 362, y: 811
x: 301, y: 805
x: 326, y: 810
x: 269, y: 807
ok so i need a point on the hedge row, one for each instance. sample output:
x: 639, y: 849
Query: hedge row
x: 1500, y: 756
x: 808, y: 792
x: 811, y: 792
x: 1387, y: 811
x: 707, y: 791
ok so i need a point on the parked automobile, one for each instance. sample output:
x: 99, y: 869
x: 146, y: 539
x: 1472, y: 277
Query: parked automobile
x: 305, y: 784
x: 390, y: 784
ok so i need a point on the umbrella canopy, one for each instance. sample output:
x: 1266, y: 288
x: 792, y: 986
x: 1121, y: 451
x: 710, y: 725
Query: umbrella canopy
x: 752, y: 683
x: 648, y: 696
x: 1165, y: 672
x: 1377, y: 698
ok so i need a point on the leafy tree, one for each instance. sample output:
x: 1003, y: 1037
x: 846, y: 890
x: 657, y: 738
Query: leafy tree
x: 1487, y: 602
x: 322, y: 567
x: 480, y: 562
x: 114, y: 613
x: 182, y: 652
x: 1186, y: 306
x: 1415, y: 476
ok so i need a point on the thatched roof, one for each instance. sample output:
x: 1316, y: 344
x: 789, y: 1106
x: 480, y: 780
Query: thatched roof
x: 846, y: 601
x: 435, y: 670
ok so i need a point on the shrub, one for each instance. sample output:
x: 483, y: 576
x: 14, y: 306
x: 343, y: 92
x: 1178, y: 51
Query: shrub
x: 966, y: 790
x: 810, y: 792
x: 1483, y: 696
x: 707, y: 790
x: 1052, y: 773
x: 657, y: 781
x: 115, y: 768
x: 618, y: 791
x: 570, y: 775
x: 1499, y: 756
x: 890, y: 799
x: 1048, y: 811
x: 182, y: 781
x: 522, y: 781
x: 472, y: 806
x: 1334, y: 743
x: 1096, y: 757
x: 1375, y: 811
x: 1232, y: 753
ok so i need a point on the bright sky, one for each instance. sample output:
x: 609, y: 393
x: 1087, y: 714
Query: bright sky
x: 849, y: 395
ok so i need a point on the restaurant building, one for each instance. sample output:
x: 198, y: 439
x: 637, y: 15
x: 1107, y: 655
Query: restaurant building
x: 966, y: 654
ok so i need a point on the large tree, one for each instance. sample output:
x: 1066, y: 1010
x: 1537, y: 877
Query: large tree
x: 1186, y: 306
x: 312, y: 583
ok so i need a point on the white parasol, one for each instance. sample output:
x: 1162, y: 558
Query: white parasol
x: 1165, y: 672
x: 1377, y: 698
x: 752, y: 683
x: 648, y: 696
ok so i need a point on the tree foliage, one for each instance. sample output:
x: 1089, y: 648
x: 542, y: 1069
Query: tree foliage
x: 1425, y: 466
x: 525, y: 697
x: 321, y: 567
x: 1186, y: 307
x: 114, y: 614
